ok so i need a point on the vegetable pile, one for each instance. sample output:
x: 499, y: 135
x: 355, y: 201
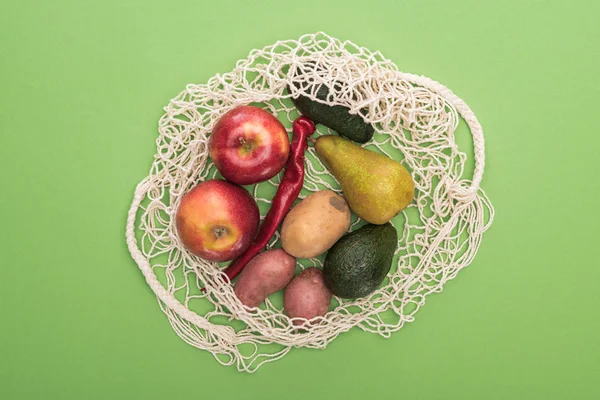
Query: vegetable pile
x: 218, y: 220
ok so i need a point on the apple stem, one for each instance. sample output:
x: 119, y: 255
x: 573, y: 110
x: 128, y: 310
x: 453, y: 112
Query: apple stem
x: 220, y: 231
x: 245, y: 144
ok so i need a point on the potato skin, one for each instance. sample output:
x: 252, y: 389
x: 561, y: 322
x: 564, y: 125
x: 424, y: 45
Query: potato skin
x: 265, y: 274
x: 315, y: 224
x: 306, y: 296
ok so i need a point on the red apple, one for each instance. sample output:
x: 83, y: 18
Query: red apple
x: 249, y: 145
x: 217, y: 220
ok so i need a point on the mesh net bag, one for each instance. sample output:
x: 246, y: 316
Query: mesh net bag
x: 415, y: 120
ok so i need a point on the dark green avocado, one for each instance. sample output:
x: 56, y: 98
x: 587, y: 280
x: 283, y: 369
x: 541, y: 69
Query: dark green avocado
x: 357, y: 264
x: 337, y: 117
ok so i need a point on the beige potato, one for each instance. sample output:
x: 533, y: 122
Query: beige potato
x: 315, y: 224
x: 264, y: 275
x: 306, y: 296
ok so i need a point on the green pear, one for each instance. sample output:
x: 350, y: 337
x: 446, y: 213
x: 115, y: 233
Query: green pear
x: 375, y: 186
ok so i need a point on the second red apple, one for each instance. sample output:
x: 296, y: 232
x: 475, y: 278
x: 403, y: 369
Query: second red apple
x: 217, y: 220
x: 249, y: 145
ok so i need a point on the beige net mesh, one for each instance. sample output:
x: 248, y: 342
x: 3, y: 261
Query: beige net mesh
x: 415, y: 120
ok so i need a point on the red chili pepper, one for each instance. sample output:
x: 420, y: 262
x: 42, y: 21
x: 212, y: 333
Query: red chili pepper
x: 287, y: 192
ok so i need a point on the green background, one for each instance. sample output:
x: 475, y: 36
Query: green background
x: 82, y: 84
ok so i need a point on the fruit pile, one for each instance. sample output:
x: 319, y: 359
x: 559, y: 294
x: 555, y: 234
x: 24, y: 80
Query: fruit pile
x: 218, y: 220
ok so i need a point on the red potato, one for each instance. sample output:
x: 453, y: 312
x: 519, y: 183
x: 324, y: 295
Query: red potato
x: 306, y: 296
x: 267, y: 273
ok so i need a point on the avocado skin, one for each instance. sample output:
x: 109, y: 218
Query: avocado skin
x: 337, y: 117
x: 357, y: 264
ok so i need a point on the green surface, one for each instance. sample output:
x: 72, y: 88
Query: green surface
x: 82, y: 85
